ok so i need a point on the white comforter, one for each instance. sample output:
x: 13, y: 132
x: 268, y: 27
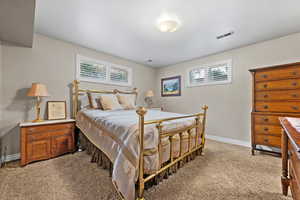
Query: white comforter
x: 116, y: 134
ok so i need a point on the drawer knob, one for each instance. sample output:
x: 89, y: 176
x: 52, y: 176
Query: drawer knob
x: 294, y: 83
x: 266, y: 96
x: 266, y: 140
x: 264, y: 76
x: 294, y: 73
x: 266, y: 119
x: 265, y: 85
x: 266, y: 129
x: 295, y: 95
x: 266, y: 106
x: 295, y: 107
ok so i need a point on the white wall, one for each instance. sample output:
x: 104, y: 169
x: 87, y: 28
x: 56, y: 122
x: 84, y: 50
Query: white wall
x: 51, y: 62
x: 229, y: 105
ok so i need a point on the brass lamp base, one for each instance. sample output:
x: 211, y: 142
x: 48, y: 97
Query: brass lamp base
x: 38, y: 120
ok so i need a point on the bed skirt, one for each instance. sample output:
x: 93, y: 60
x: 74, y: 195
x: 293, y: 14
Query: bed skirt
x: 97, y: 156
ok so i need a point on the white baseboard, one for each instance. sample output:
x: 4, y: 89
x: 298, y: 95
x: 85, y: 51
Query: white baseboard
x: 11, y: 157
x: 228, y: 140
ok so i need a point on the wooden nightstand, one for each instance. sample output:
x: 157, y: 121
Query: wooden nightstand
x: 44, y: 140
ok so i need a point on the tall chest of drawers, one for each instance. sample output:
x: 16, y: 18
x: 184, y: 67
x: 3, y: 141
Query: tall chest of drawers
x: 276, y: 93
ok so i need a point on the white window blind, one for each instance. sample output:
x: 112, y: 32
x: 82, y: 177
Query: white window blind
x: 92, y: 70
x: 216, y: 73
x: 118, y: 75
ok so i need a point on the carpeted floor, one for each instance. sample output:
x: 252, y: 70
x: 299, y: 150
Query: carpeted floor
x: 224, y: 172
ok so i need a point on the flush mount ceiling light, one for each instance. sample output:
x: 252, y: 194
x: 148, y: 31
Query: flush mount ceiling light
x: 167, y: 23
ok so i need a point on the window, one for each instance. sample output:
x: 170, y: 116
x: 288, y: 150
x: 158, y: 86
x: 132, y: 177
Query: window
x: 216, y: 73
x: 92, y: 70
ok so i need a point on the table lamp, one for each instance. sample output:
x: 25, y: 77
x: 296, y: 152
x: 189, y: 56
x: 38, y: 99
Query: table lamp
x: 148, y: 98
x: 38, y: 90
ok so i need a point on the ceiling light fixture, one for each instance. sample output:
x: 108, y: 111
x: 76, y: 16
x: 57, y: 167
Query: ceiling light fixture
x: 167, y: 23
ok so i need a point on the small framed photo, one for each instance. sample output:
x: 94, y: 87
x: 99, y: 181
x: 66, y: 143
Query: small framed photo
x: 171, y: 86
x: 56, y: 110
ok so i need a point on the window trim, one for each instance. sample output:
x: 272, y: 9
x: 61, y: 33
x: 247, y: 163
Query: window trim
x: 206, y: 66
x: 107, y: 81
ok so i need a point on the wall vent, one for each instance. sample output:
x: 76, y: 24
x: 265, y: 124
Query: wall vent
x: 225, y: 35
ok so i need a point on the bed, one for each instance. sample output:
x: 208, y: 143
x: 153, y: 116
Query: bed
x: 142, y: 145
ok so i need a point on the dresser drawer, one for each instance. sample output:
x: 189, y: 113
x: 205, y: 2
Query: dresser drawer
x: 283, y: 73
x: 266, y: 119
x: 278, y: 85
x: 293, y: 107
x: 267, y: 129
x: 44, y: 128
x: 268, y: 140
x: 278, y: 95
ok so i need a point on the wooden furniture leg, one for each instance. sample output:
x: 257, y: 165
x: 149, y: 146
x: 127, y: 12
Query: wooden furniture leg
x: 284, y: 177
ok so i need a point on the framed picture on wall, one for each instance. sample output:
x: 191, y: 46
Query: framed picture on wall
x: 56, y: 110
x: 171, y: 86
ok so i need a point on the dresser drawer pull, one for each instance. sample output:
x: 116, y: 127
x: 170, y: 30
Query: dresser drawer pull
x: 266, y: 140
x: 294, y: 73
x: 295, y: 107
x: 266, y: 96
x: 266, y: 119
x: 295, y: 95
x: 266, y: 129
x: 294, y: 83
x: 265, y: 85
x: 266, y: 106
x: 264, y: 76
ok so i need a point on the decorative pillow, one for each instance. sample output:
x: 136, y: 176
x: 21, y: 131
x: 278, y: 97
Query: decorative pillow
x: 127, y: 101
x: 92, y: 99
x: 109, y: 102
x: 83, y: 101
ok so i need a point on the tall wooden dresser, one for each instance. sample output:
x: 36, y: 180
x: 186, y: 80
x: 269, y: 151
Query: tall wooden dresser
x: 276, y: 93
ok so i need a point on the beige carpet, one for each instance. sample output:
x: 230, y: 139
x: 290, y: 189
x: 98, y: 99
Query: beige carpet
x: 224, y: 172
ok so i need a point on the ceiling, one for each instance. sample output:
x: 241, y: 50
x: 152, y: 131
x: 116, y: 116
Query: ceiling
x: 127, y: 28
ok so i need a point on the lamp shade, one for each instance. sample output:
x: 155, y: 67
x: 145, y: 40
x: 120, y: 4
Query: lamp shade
x: 38, y: 90
x: 149, y: 93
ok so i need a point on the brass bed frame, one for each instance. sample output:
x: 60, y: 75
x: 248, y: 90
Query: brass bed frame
x: 199, y: 125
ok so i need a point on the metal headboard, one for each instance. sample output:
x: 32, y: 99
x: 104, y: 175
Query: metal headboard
x: 77, y: 91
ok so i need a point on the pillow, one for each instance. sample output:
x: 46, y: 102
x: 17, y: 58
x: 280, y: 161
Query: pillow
x: 109, y: 102
x: 127, y: 101
x: 92, y: 100
x: 83, y: 101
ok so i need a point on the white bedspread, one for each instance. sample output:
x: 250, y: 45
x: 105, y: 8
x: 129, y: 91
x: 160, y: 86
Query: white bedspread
x: 116, y: 134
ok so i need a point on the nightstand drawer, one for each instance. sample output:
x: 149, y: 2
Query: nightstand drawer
x: 37, y: 136
x: 45, y: 128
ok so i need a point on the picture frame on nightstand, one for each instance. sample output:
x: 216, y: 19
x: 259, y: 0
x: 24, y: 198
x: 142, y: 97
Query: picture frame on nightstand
x: 57, y: 110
